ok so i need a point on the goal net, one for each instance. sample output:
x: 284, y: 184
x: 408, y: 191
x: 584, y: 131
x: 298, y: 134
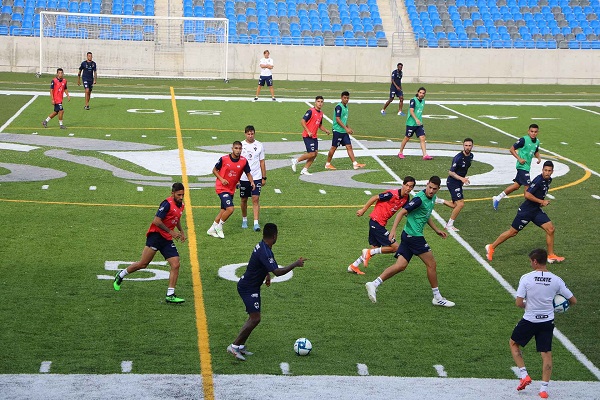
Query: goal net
x: 135, y: 46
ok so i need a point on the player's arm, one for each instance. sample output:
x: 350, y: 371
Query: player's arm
x: 338, y: 119
x: 181, y: 232
x: 321, y: 127
x: 397, y: 220
x: 282, y: 271
x: 368, y: 204
x: 263, y: 171
x: 529, y: 196
x: 412, y: 112
x: 537, y: 155
x: 304, y: 120
x: 513, y: 150
x: 95, y: 75
x: 159, y: 223
x: 440, y: 232
x: 572, y: 300
x: 67, y: 93
x: 79, y: 77
x: 445, y: 202
x: 520, y: 302
x: 456, y: 176
x: 215, y: 172
x: 249, y: 175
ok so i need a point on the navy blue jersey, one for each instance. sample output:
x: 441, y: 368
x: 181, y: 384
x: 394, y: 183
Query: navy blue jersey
x: 521, y: 143
x: 397, y: 77
x: 460, y: 165
x: 262, y: 261
x: 539, y: 188
x: 413, y: 204
x: 88, y: 69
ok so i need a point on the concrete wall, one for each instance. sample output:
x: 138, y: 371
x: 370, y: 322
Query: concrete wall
x: 516, y: 66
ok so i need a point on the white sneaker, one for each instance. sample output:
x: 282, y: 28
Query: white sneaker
x: 236, y: 353
x: 382, y: 112
x: 452, y: 228
x: 305, y: 172
x: 443, y: 302
x: 219, y: 232
x: 212, y: 232
x: 294, y: 162
x: 372, y: 291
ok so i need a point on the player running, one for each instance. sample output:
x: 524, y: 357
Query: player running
x: 58, y: 89
x: 312, y: 121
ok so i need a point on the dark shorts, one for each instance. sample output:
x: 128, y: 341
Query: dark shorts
x: 522, y: 178
x: 411, y: 130
x: 543, y: 332
x: 246, y: 188
x: 311, y: 144
x: 395, y: 92
x: 411, y: 245
x: 378, y: 235
x: 156, y: 242
x: 265, y: 79
x: 251, y: 299
x: 455, y: 188
x: 58, y: 107
x: 340, y: 139
x: 226, y: 200
x: 88, y: 84
x: 538, y: 217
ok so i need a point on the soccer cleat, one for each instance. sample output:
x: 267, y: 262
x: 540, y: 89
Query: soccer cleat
x: 357, y: 166
x: 382, y: 112
x: 354, y: 269
x: 256, y: 228
x: 552, y: 258
x: 442, y: 302
x: 173, y: 299
x: 371, y: 291
x: 86, y: 107
x: 219, y: 232
x: 244, y: 351
x: 273, y: 98
x: 256, y: 98
x: 329, y: 166
x: 427, y: 157
x: 401, y: 114
x: 523, y: 383
x: 212, y: 232
x: 44, y: 124
x: 401, y: 156
x: 544, y: 395
x: 118, y: 280
x: 452, y: 228
x: 63, y: 127
x: 366, y: 255
x: 303, y: 172
x: 489, y: 252
x: 495, y: 202
x: 236, y: 353
x: 244, y: 224
x: 294, y: 162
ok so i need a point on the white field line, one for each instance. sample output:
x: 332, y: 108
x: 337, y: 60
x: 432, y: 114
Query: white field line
x: 440, y: 371
x: 362, y: 369
x: 11, y: 119
x: 516, y: 371
x: 126, y: 366
x: 586, y: 110
x: 285, y: 368
x: 45, y: 367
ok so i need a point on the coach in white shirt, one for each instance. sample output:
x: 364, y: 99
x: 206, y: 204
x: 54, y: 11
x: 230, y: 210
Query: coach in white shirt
x: 254, y: 152
x: 266, y: 75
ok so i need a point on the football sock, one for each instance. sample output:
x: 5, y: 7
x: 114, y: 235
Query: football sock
x: 436, y: 292
x: 123, y: 273
x: 377, y: 282
x: 501, y: 196
x: 214, y: 225
x: 220, y: 224
x: 60, y: 122
x: 170, y: 291
x: 327, y: 164
x: 48, y: 119
x: 255, y: 222
x: 376, y: 250
x: 354, y: 162
x: 358, y: 261
x: 544, y: 387
x: 244, y: 219
x: 304, y: 170
x: 450, y: 222
x: 523, y: 372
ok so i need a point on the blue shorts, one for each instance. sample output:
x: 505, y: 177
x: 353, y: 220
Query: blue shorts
x: 378, y: 235
x: 246, y: 188
x: 88, y: 84
x: 455, y: 188
x: 58, y: 107
x: 311, y: 144
x: 156, y: 242
x: 523, y: 178
x: 411, y: 245
x: 340, y: 139
x: 265, y: 79
x: 411, y: 130
x: 395, y: 92
x: 538, y: 217
x: 226, y: 200
x: 543, y: 332
x: 251, y: 299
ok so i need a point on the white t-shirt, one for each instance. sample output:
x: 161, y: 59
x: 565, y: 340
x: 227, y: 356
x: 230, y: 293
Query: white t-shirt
x: 266, y: 71
x: 253, y: 152
x: 539, y: 289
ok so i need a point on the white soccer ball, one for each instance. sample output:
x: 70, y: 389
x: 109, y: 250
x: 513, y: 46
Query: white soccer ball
x: 560, y: 303
x: 303, y: 347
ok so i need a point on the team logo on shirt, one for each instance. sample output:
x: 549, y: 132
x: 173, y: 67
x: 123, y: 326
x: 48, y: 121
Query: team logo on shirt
x: 257, y: 305
x: 255, y: 295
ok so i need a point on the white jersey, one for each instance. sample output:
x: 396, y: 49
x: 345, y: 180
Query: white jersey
x: 539, y: 289
x: 266, y: 71
x: 253, y: 152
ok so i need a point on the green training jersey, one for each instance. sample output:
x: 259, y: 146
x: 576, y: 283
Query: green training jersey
x: 527, y: 151
x: 417, y: 218
x: 340, y: 111
x: 418, y: 105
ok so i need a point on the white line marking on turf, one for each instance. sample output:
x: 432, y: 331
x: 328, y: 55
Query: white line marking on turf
x: 596, y: 196
x: 107, y: 135
x: 583, y: 109
x: 283, y: 138
x: 92, y: 187
x: 516, y: 371
x: 71, y: 134
x: 35, y: 133
x: 564, y: 143
x: 492, y: 142
x: 126, y: 366
x: 144, y: 136
x: 45, y: 367
x: 214, y: 137
x: 440, y: 370
x: 362, y: 369
x: 140, y: 188
x: 322, y: 191
x: 368, y: 192
x: 285, y: 368
x: 278, y: 191
x: 44, y: 187
x: 11, y: 119
x: 548, y: 195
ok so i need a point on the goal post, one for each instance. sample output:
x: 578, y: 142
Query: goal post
x: 135, y: 46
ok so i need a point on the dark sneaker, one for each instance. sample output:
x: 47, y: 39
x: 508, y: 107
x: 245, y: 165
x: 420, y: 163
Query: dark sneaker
x: 174, y: 299
x: 44, y: 124
x: 117, y: 281
x: 86, y: 107
x: 63, y: 127
x: 245, y: 351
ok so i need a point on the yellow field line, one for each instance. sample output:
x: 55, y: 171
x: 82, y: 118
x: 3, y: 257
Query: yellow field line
x: 201, y: 322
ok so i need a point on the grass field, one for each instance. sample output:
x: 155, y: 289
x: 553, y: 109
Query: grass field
x: 56, y: 306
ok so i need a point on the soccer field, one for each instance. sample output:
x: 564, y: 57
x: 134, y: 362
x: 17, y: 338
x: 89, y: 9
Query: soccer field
x: 84, y: 197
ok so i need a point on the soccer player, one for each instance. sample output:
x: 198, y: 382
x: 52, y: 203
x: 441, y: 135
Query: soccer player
x: 266, y: 75
x: 228, y: 170
x: 414, y: 123
x: 341, y: 133
x: 160, y: 237
x: 58, y: 89
x: 386, y: 205
x: 88, y: 67
x: 254, y: 152
x: 524, y: 150
x: 396, y: 90
x: 457, y: 177
x: 418, y: 213
x: 531, y: 211
x: 539, y: 288
x: 311, y: 122
x: 262, y: 263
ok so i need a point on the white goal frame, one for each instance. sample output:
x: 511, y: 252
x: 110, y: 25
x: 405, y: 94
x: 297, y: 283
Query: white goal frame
x: 135, y: 46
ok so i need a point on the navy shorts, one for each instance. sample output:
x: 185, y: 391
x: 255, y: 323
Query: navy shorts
x: 156, y: 242
x: 411, y: 130
x: 395, y: 92
x: 538, y: 217
x: 226, y: 200
x: 88, y: 84
x: 455, y: 188
x: 411, y: 245
x: 523, y: 178
x: 311, y: 144
x: 58, y: 107
x: 246, y: 188
x: 543, y: 332
x: 378, y: 235
x: 265, y: 79
x: 340, y: 139
x: 251, y: 299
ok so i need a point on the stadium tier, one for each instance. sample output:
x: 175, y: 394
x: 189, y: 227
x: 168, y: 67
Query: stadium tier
x: 529, y: 24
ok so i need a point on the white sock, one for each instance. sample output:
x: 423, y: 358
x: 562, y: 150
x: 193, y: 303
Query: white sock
x: 523, y: 372
x: 214, y: 225
x: 327, y: 164
x: 377, y: 282
x: 123, y: 273
x: 358, y: 261
x: 354, y: 162
x: 48, y: 119
x: 220, y: 224
x: 304, y: 170
x: 60, y: 122
x: 376, y: 250
x: 436, y: 292
x: 255, y: 222
x: 170, y: 291
x: 244, y: 219
x: 501, y: 196
x: 450, y: 222
x: 544, y: 387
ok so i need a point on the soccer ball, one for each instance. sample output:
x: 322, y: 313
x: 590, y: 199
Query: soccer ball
x: 303, y: 347
x: 560, y: 303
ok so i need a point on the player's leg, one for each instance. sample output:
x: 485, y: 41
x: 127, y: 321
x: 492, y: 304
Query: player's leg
x: 422, y: 140
x: 521, y: 335
x: 261, y: 82
x: 332, y: 150
x: 458, y: 206
x: 399, y: 266
x: 245, y: 192
x: 387, y: 103
x: 401, y: 105
x: 226, y: 213
x: 147, y: 256
x: 521, y: 179
x: 256, y: 208
x: 87, y: 97
x: 251, y: 323
x: 543, y: 341
x: 548, y: 227
x: 271, y: 88
x: 174, y: 272
x: 431, y: 265
x: 402, y: 145
x: 169, y: 251
x: 546, y: 372
x: 504, y: 236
